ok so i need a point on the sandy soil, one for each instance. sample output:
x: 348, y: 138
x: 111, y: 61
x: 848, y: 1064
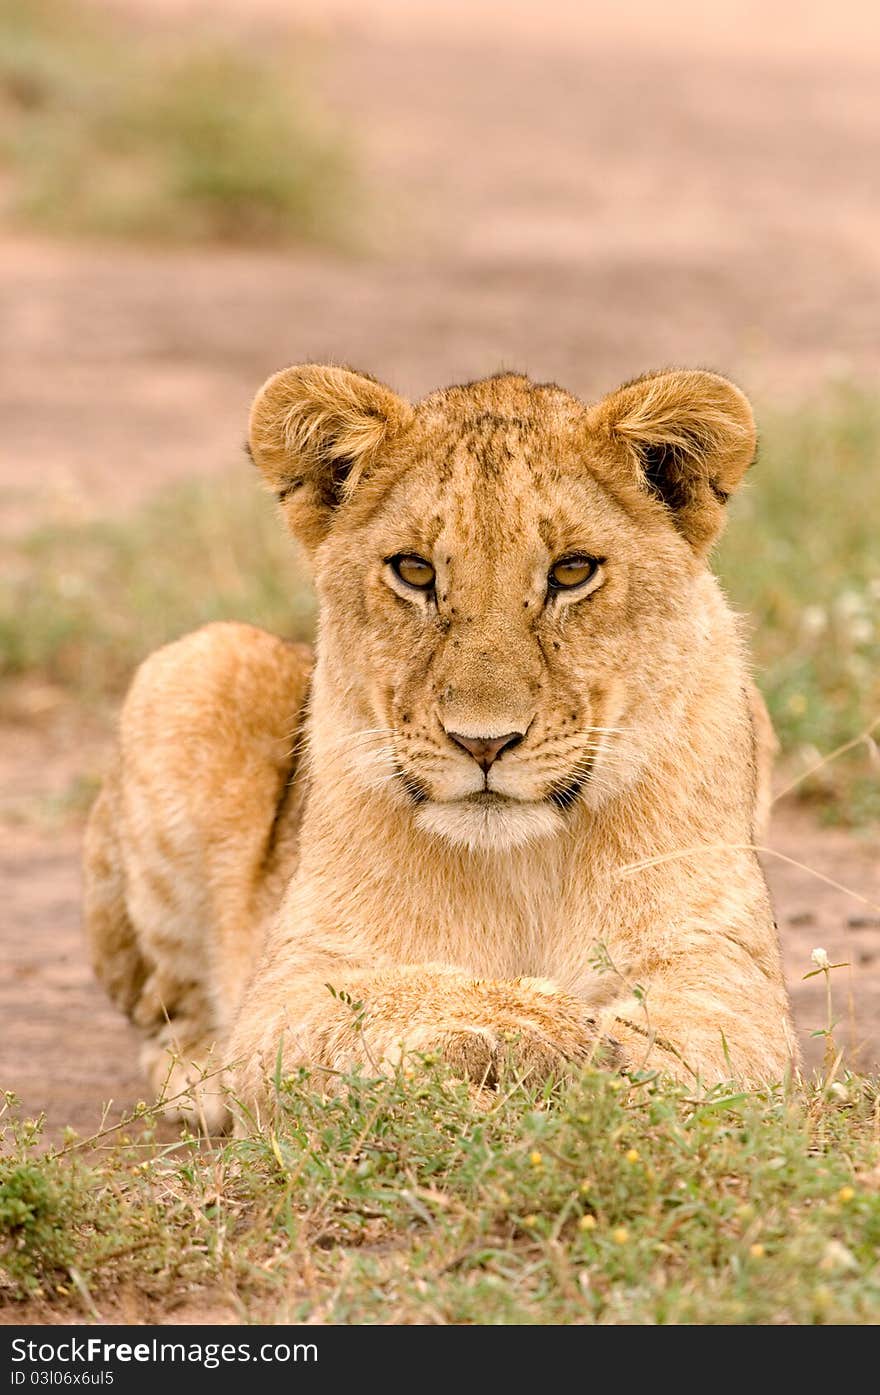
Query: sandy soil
x: 583, y: 201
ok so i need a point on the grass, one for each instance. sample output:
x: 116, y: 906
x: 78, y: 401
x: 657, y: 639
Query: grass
x: 111, y: 128
x: 82, y: 604
x: 801, y: 558
x: 404, y: 1200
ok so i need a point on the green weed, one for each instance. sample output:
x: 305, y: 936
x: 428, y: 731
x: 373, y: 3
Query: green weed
x: 402, y: 1199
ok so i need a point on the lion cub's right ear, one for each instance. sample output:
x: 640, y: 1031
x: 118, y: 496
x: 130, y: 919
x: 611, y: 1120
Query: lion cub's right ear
x: 315, y: 432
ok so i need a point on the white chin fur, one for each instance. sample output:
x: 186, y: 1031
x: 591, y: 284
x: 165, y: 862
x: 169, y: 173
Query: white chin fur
x: 496, y: 829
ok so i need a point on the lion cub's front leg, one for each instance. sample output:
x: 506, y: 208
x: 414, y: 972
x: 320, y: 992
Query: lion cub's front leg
x: 483, y: 1028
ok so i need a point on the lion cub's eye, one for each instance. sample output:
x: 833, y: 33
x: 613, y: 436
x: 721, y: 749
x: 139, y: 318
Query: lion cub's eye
x: 413, y: 571
x: 570, y: 572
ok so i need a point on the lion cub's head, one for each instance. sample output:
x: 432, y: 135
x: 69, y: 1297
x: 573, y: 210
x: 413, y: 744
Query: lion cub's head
x: 512, y: 583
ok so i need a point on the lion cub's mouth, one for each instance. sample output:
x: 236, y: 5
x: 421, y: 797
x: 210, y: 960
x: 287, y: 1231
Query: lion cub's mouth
x: 561, y: 797
x: 490, y: 799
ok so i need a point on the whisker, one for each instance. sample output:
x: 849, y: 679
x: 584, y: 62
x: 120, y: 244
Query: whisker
x: 363, y: 737
x: 345, y: 749
x: 364, y: 759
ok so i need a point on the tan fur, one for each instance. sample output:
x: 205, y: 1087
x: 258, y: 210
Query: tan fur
x: 233, y: 872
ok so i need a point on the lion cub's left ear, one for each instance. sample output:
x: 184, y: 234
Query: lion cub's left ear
x: 316, y: 432
x: 690, y: 437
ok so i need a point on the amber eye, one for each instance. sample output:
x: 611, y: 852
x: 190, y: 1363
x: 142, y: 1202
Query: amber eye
x: 570, y: 572
x: 413, y: 571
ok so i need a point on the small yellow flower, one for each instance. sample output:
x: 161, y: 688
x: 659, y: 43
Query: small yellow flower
x: 530, y: 1220
x: 535, y: 1159
x: 620, y: 1235
x: 586, y: 1185
x: 632, y: 1155
x: 756, y: 1251
x: 845, y: 1194
x: 504, y: 1197
x: 587, y: 1223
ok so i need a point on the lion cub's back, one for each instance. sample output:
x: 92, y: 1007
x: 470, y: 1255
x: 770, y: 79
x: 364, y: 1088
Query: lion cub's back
x: 194, y: 834
x: 211, y: 724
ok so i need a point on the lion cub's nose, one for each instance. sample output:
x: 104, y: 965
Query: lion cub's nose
x: 486, y: 749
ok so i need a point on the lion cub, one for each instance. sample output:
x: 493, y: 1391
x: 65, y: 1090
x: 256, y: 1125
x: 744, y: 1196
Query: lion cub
x: 516, y: 781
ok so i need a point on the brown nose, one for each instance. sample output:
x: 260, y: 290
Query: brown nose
x: 486, y: 749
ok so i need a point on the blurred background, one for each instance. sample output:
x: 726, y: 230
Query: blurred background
x: 428, y: 191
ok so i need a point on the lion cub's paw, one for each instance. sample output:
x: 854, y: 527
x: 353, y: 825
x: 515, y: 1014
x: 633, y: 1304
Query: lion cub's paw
x: 531, y: 1032
x: 190, y: 1085
x: 487, y: 1057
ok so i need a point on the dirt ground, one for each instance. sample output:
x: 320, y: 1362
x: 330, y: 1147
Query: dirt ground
x: 583, y: 202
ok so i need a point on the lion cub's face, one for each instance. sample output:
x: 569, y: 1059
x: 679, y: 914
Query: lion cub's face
x: 495, y: 593
x: 507, y: 582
